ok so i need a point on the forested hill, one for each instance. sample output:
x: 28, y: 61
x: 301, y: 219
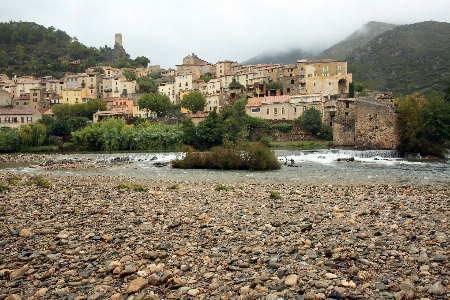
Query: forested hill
x: 31, y: 49
x: 405, y: 59
x: 357, y: 39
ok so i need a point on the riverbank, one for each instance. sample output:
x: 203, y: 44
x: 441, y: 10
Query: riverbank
x: 84, y: 238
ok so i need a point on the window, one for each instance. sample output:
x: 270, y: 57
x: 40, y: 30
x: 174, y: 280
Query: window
x: 329, y: 83
x: 288, y: 90
x: 295, y: 110
x: 268, y: 111
x: 275, y: 111
x: 292, y: 81
x: 282, y: 110
x: 304, y: 108
x: 17, y: 103
x: 347, y: 104
x: 339, y: 68
x: 7, y: 120
x: 29, y: 119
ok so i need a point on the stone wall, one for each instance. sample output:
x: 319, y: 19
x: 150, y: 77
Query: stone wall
x: 375, y: 126
x: 296, y: 134
x: 368, y: 122
x: 344, y: 123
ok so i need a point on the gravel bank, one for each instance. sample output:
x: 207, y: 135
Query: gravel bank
x: 82, y: 238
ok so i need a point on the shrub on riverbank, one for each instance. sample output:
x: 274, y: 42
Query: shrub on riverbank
x: 230, y: 157
x: 113, y: 135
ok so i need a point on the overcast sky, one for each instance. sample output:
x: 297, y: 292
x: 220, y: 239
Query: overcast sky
x: 165, y: 31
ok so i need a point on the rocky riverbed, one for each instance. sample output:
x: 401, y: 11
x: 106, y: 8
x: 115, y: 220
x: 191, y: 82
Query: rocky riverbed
x: 84, y: 238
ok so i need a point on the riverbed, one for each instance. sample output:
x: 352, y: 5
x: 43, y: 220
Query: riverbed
x: 335, y: 166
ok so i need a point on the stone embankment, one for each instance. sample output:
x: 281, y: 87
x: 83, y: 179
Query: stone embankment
x: 83, y: 238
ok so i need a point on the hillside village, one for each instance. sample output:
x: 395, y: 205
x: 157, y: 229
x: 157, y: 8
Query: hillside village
x: 322, y: 84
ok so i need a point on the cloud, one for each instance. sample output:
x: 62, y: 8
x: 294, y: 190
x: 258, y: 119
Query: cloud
x: 166, y: 31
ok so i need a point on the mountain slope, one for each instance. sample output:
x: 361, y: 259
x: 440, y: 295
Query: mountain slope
x: 31, y: 49
x: 289, y: 57
x: 405, y: 59
x: 357, y: 39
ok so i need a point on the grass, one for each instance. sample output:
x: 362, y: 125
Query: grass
x: 134, y: 187
x: 13, y: 180
x: 3, y: 187
x: 275, y: 195
x: 221, y: 187
x: 39, y: 180
x: 173, y: 187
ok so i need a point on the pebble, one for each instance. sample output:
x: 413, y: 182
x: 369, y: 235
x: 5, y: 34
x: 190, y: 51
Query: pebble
x: 85, y: 238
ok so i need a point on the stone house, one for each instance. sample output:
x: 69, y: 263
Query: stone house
x: 366, y: 122
x: 224, y: 67
x: 270, y: 108
x: 168, y: 89
x: 14, y: 117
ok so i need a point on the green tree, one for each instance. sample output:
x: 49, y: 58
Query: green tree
x: 234, y: 85
x: 129, y: 74
x: 9, y: 140
x: 410, y: 123
x: 359, y: 87
x: 61, y: 127
x: 33, y: 134
x: 146, y: 84
x: 311, y: 120
x: 447, y: 93
x: 156, y: 103
x: 194, y: 101
x: 142, y: 61
x: 275, y: 85
x: 351, y: 90
x: 155, y: 75
x: 206, y: 77
x: 211, y: 131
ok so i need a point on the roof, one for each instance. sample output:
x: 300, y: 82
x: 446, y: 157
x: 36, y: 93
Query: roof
x: 276, y: 99
x: 18, y: 111
x: 203, y: 115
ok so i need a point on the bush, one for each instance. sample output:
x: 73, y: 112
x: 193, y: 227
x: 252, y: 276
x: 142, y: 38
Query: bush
x: 283, y: 127
x: 231, y: 157
x: 265, y: 141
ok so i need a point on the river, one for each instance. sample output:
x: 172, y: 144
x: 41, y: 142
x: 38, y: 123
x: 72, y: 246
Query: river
x: 299, y: 167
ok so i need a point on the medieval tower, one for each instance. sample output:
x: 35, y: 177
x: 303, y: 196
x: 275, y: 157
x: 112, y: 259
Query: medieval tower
x: 118, y: 39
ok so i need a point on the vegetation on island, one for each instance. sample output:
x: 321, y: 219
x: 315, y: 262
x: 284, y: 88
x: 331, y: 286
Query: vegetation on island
x: 230, y: 157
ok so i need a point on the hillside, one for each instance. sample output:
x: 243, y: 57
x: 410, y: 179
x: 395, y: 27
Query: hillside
x: 405, y: 59
x: 289, y: 57
x: 357, y: 39
x: 31, y: 49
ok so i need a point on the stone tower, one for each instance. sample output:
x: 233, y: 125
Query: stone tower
x: 118, y: 39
